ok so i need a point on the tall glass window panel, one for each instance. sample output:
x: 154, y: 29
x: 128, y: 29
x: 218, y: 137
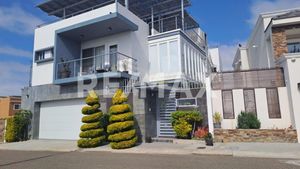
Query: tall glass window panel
x: 163, y: 58
x: 88, y: 61
x: 174, y: 58
x: 100, y: 58
x: 154, y: 59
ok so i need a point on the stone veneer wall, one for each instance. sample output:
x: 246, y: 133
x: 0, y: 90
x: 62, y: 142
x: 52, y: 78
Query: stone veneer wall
x: 2, y: 128
x: 266, y: 136
x: 279, y: 39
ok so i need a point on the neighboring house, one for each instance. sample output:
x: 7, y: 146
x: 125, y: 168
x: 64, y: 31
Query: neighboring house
x: 148, y: 45
x: 267, y: 74
x: 9, y: 106
x: 214, y: 55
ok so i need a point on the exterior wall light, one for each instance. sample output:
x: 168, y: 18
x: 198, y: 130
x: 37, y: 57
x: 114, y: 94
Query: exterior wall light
x: 298, y: 86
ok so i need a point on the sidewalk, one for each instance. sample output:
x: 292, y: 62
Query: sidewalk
x: 258, y: 150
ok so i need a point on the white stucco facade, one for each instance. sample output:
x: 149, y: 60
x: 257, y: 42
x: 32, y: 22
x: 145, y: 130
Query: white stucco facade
x: 131, y: 43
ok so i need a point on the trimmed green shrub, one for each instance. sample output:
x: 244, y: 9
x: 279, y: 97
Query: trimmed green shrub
x: 91, y: 143
x: 121, y: 117
x: 183, y: 129
x: 119, y: 98
x: 17, y: 126
x: 96, y: 117
x: 124, y: 144
x: 86, y: 110
x: 92, y: 133
x: 10, y: 135
x: 184, y: 122
x: 90, y: 126
x: 248, y: 121
x: 127, y: 135
x: 121, y: 128
x: 119, y: 109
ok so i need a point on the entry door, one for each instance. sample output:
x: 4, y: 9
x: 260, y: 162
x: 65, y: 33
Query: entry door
x: 100, y: 58
x: 113, y: 60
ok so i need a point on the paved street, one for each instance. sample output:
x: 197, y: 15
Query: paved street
x: 106, y: 160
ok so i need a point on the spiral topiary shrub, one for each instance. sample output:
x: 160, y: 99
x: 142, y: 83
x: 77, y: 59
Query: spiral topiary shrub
x: 121, y: 123
x: 92, y: 132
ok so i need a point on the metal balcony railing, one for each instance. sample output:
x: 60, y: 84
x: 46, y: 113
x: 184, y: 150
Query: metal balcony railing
x: 113, y: 62
x: 175, y: 22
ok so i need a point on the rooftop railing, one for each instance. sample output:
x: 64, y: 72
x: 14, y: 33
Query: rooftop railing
x: 113, y: 62
x: 175, y: 22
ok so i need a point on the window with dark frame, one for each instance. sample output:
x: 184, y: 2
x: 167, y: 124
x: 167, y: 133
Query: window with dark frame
x: 273, y: 103
x: 17, y: 106
x: 249, y: 101
x: 227, y: 99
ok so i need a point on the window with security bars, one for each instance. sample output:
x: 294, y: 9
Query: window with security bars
x: 228, y: 110
x: 273, y: 103
x: 249, y: 99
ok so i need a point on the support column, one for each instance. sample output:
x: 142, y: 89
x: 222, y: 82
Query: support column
x: 152, y: 21
x: 209, y: 105
x: 182, y: 13
x: 127, y: 4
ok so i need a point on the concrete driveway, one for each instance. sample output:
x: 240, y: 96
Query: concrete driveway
x: 41, y: 145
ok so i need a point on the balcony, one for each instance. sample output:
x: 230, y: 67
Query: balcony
x: 114, y: 65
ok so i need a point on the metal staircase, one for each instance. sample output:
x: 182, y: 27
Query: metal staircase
x: 167, y: 106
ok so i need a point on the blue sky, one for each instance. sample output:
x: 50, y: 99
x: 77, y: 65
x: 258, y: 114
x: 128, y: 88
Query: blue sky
x: 227, y: 23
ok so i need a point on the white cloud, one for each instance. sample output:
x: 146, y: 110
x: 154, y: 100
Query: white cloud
x: 261, y: 6
x: 15, y: 19
x: 11, y: 51
x: 14, y: 76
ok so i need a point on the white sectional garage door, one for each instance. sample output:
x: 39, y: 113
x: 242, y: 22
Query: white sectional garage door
x: 61, y: 119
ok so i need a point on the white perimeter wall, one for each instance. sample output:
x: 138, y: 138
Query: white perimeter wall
x: 261, y: 108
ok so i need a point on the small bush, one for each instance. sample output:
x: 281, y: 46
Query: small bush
x: 183, y: 129
x: 17, y: 126
x: 10, y: 135
x: 200, y: 133
x: 183, y: 122
x: 248, y: 121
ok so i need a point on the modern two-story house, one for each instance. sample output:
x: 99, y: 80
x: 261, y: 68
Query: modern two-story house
x: 274, y: 46
x: 141, y: 46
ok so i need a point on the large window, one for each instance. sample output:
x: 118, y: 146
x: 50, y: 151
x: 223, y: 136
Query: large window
x: 294, y: 47
x: 174, y: 59
x: 154, y: 59
x: 228, y: 110
x: 249, y: 99
x: 273, y: 103
x: 163, y: 57
x: 43, y: 55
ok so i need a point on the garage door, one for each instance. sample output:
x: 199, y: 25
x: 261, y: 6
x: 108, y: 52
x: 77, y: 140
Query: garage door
x: 61, y: 119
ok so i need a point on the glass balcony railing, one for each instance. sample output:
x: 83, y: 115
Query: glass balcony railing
x: 114, y: 62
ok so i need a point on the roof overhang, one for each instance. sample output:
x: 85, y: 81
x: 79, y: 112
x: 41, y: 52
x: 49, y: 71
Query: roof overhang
x: 114, y: 23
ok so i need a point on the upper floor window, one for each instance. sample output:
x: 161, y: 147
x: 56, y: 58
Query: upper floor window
x: 17, y: 106
x: 294, y: 47
x: 43, y: 55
